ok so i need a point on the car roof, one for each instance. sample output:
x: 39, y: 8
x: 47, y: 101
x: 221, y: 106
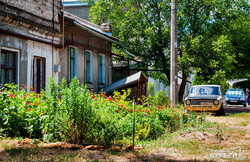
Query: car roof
x: 207, y: 85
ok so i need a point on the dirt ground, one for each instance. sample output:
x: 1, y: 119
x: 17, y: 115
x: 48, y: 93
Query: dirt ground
x: 229, y: 140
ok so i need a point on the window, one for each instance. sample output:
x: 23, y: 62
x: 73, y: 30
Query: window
x: 8, y: 70
x: 88, y: 67
x: 72, y: 63
x: 102, y: 69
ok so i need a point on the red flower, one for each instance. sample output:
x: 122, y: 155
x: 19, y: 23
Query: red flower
x: 29, y: 109
x: 11, y: 95
x: 39, y: 101
x: 31, y: 88
x: 176, y: 117
x: 104, y: 96
x: 93, y: 96
x: 128, y: 110
x: 145, y: 114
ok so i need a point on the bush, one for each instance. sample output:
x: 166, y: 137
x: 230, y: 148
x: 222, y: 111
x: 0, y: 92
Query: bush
x: 70, y: 112
x: 21, y: 113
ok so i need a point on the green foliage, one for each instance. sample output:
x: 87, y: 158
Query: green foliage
x: 21, y: 113
x: 70, y: 112
x: 158, y: 98
x: 213, y: 36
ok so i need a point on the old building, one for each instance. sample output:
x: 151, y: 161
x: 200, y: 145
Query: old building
x: 87, y: 52
x: 30, y: 36
x: 38, y: 41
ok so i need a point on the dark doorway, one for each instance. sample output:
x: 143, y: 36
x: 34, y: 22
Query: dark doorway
x: 39, y: 73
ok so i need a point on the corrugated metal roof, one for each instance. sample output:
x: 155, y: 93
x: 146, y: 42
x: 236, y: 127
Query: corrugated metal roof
x: 124, y: 82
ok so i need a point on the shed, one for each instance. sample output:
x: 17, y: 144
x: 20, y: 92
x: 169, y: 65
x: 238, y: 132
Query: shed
x: 137, y: 82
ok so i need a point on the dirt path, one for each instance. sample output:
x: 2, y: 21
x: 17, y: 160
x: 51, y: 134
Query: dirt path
x: 228, y: 140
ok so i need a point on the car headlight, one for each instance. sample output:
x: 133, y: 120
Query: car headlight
x: 188, y: 102
x: 242, y: 99
x: 226, y: 98
x: 216, y: 102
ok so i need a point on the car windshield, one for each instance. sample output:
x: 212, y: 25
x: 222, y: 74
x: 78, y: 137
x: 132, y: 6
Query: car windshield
x: 204, y: 90
x: 235, y: 92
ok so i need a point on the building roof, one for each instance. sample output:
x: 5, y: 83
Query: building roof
x: 124, y: 82
x: 93, y: 28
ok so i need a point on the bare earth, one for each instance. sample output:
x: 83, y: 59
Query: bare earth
x: 228, y: 141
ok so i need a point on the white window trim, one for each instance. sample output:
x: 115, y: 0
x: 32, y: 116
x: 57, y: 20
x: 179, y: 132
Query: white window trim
x: 91, y: 66
x: 18, y: 60
x: 104, y: 70
x: 76, y: 61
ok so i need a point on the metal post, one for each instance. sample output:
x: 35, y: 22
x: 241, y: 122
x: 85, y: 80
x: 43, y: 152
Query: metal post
x: 173, y: 57
x: 133, y: 128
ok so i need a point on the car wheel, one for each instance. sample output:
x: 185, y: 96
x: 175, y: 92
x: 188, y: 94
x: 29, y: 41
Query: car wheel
x: 220, y: 112
x: 245, y: 105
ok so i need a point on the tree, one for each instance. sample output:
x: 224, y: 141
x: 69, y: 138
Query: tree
x: 208, y: 36
x: 209, y: 43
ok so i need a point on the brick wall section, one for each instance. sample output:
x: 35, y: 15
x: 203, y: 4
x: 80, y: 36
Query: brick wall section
x: 38, y: 11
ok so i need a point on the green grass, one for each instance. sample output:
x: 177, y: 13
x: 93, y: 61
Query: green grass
x: 243, y: 114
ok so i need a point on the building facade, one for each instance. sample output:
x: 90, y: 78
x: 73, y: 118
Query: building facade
x: 87, y: 53
x: 39, y: 40
x: 30, y: 36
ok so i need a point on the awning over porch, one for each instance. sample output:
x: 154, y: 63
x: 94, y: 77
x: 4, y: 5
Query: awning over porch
x: 129, y: 82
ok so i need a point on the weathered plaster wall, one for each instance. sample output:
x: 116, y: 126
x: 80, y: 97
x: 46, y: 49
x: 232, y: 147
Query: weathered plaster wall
x: 41, y: 50
x: 26, y: 50
x: 63, y: 62
x: 19, y: 45
x: 81, y: 64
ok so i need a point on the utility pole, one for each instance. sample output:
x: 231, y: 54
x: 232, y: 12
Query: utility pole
x: 173, y: 56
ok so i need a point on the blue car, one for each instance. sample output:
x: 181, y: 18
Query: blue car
x: 236, y: 97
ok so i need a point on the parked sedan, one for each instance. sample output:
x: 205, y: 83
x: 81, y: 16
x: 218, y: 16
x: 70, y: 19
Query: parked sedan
x: 205, y: 98
x: 236, y: 97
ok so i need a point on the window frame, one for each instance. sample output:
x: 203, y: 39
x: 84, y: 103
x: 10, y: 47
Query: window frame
x: 102, y: 69
x: 75, y: 66
x: 89, y: 69
x: 17, y: 63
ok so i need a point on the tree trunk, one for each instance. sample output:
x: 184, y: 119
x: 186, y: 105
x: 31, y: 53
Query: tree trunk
x: 182, y: 87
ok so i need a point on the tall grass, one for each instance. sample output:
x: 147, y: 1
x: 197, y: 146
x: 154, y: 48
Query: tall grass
x: 70, y: 112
